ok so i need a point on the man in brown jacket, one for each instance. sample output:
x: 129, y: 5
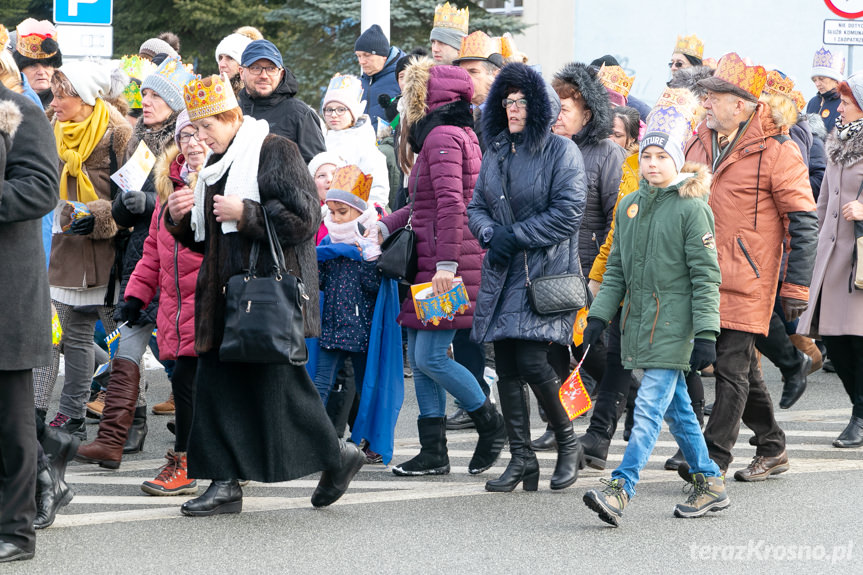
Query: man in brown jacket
x: 760, y: 192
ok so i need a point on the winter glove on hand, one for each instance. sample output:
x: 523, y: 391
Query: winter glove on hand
x: 703, y: 354
x: 792, y: 308
x: 135, y: 201
x: 129, y: 311
x: 593, y: 330
x: 501, y: 246
x: 83, y: 226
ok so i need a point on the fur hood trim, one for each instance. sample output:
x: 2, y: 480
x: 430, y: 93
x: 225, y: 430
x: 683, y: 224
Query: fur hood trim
x: 844, y: 153
x: 583, y: 79
x: 543, y: 105
x: 689, y: 77
x: 10, y: 117
x: 816, y: 126
x: 782, y: 110
x: 696, y: 185
x: 415, y: 96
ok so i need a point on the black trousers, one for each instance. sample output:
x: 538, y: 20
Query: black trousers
x: 846, y: 352
x: 740, y: 394
x: 470, y: 355
x: 18, y: 449
x: 183, y: 387
x: 525, y: 360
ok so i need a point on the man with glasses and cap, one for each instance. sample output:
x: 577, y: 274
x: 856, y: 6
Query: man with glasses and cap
x: 269, y: 94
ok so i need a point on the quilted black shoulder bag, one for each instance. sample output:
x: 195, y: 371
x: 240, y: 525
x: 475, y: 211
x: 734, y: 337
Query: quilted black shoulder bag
x: 264, y: 314
x: 398, y: 259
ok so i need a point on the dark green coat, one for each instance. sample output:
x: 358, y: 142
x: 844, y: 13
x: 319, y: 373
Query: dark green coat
x: 663, y: 267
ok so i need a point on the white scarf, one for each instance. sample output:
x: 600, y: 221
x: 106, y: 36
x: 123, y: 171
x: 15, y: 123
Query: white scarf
x: 349, y: 233
x: 243, y: 155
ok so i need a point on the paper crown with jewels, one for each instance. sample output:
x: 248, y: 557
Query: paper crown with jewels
x: 37, y: 39
x: 137, y: 69
x: 778, y: 83
x: 828, y: 64
x: 689, y: 45
x: 798, y: 100
x: 507, y: 46
x: 350, y: 186
x: 448, y: 16
x: 733, y: 75
x: 208, y: 96
x: 480, y: 46
x: 670, y: 123
x: 682, y: 100
x: 615, y: 79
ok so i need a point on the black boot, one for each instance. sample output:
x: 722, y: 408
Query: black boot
x: 603, y: 423
x: 432, y: 458
x: 523, y: 467
x: 52, y: 493
x: 138, y: 431
x: 334, y: 483
x: 220, y: 497
x: 595, y: 449
x: 570, y: 454
x: 492, y: 437
x: 60, y: 448
x: 852, y: 436
x: 673, y: 462
x: 545, y: 442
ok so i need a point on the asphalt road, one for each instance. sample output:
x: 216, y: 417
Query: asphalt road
x: 804, y: 521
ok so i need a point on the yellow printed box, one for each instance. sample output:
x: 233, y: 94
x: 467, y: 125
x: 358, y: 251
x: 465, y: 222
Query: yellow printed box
x: 431, y: 308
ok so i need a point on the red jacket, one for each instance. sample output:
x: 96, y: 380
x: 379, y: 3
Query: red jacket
x: 169, y: 267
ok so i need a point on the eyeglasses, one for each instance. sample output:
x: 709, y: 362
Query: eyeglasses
x: 269, y: 70
x: 186, y: 136
x: 519, y: 104
x: 676, y: 64
x: 335, y: 111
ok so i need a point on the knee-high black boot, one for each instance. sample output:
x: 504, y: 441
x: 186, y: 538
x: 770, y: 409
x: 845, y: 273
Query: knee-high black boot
x: 569, y: 451
x: 523, y: 466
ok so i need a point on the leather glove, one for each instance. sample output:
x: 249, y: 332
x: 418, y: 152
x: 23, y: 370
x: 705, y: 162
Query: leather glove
x: 703, y: 353
x: 593, y: 330
x: 792, y: 308
x: 501, y: 246
x: 83, y: 226
x: 135, y: 201
x: 129, y: 311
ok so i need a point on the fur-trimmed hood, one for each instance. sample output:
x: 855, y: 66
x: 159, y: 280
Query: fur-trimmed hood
x: 428, y: 87
x: 10, y: 118
x: 782, y: 110
x: 583, y: 79
x: 543, y: 105
x: 689, y: 77
x: 696, y: 185
x: 844, y: 153
x: 816, y: 126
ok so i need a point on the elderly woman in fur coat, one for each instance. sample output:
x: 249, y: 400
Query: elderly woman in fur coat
x: 526, y: 210
x: 835, y: 300
x: 258, y: 421
x: 90, y: 136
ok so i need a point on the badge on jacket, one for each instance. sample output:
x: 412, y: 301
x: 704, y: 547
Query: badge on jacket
x: 632, y: 211
x: 708, y: 241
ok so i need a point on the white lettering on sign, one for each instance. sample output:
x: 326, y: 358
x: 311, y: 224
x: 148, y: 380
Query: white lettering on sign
x: 73, y: 5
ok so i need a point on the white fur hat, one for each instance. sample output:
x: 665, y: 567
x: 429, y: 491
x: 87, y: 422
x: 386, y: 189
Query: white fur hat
x: 233, y: 45
x: 347, y: 90
x: 325, y: 158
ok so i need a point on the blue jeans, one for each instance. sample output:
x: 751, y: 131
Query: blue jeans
x: 663, y: 391
x: 330, y: 362
x: 435, y: 374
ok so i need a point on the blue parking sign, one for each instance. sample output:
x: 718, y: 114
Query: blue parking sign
x: 83, y: 11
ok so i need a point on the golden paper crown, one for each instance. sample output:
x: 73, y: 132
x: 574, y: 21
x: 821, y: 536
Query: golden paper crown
x: 689, y: 45
x: 507, y: 46
x: 31, y: 34
x: 615, y: 79
x: 448, y: 16
x: 709, y: 62
x: 749, y: 79
x: 798, y: 99
x: 208, y: 96
x: 682, y: 100
x: 776, y: 84
x: 4, y: 37
x: 352, y: 179
x: 478, y: 46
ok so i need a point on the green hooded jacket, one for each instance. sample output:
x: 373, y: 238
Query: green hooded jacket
x: 663, y: 267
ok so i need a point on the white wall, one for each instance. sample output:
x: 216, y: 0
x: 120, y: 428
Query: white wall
x: 783, y: 34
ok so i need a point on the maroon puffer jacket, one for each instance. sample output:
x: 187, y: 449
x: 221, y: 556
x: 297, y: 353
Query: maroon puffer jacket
x: 171, y: 268
x: 442, y: 182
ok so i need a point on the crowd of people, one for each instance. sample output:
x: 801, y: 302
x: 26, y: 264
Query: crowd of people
x: 719, y: 227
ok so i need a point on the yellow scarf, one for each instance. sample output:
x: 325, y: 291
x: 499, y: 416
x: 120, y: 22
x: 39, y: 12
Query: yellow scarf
x: 75, y: 142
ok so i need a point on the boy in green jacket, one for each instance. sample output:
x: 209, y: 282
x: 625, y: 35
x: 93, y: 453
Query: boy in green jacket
x: 663, y: 267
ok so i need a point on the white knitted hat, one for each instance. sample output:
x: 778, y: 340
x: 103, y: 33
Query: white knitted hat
x: 347, y: 90
x: 90, y: 80
x: 233, y: 45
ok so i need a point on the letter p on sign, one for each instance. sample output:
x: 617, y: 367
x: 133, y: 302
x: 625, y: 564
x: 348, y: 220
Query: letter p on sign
x: 73, y: 5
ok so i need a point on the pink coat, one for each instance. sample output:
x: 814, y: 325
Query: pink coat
x: 171, y: 268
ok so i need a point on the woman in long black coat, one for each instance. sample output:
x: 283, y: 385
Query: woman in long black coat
x: 257, y: 421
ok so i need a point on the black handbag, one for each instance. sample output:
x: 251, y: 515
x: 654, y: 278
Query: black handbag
x: 264, y: 314
x: 398, y: 259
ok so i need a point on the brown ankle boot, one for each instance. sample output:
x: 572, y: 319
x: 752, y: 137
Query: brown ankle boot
x: 107, y: 450
x: 807, y: 346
